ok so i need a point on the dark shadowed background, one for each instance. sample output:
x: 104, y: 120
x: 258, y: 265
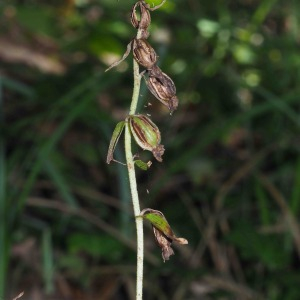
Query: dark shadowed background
x: 230, y: 179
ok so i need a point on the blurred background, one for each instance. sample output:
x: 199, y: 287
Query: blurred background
x: 230, y: 179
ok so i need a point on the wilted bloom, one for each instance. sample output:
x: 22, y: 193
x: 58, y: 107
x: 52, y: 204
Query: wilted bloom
x: 145, y: 18
x: 163, y: 232
x: 143, y: 53
x: 164, y: 243
x: 146, y: 135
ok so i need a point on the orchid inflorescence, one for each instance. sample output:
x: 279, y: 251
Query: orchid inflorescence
x: 144, y: 131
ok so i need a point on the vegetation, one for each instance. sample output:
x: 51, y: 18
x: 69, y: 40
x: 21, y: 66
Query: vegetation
x: 230, y: 179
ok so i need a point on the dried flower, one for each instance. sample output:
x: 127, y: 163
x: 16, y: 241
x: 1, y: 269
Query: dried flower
x: 143, y: 53
x: 145, y: 18
x: 163, y: 232
x: 164, y: 243
x: 146, y: 135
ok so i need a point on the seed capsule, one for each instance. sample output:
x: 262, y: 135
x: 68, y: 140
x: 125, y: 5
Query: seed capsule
x: 146, y: 135
x: 162, y: 87
x: 143, y: 53
x: 145, y: 18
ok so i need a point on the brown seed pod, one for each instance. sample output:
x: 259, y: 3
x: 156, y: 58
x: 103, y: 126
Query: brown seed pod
x: 143, y: 53
x: 166, y: 81
x: 145, y: 19
x: 162, y: 87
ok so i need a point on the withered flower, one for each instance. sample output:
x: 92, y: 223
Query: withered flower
x: 162, y: 87
x: 143, y: 53
x: 145, y: 19
x: 146, y: 135
x: 164, y: 243
x: 163, y: 232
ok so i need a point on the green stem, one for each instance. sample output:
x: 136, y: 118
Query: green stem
x: 133, y: 184
x: 136, y: 209
x: 137, y: 82
x: 136, y: 87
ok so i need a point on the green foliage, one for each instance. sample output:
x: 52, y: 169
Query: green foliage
x: 29, y: 16
x: 101, y: 247
x: 259, y: 247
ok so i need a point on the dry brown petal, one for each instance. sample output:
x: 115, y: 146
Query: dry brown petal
x: 158, y: 152
x: 164, y: 243
x: 179, y: 240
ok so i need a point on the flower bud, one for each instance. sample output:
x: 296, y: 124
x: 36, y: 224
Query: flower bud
x: 145, y: 18
x: 162, y: 87
x: 146, y: 135
x: 143, y: 53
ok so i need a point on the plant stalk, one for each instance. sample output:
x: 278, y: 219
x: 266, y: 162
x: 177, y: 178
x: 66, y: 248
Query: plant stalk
x: 136, y: 84
x: 133, y: 185
x: 136, y: 209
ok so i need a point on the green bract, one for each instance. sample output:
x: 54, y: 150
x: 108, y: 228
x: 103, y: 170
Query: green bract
x: 114, y: 140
